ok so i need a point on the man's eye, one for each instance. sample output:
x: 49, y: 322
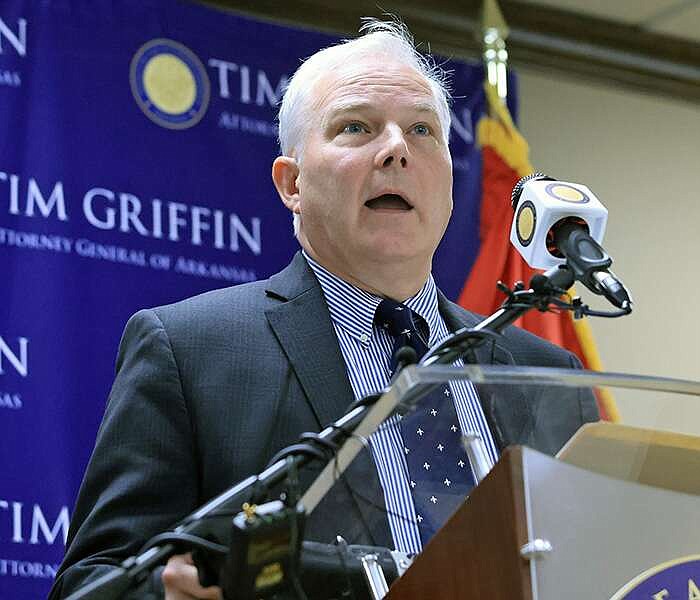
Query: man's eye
x: 354, y: 128
x: 421, y: 129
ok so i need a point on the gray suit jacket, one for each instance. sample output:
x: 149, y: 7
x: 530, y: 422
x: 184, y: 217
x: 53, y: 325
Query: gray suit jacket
x: 208, y: 389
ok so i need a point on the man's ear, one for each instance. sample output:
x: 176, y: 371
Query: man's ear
x: 285, y: 171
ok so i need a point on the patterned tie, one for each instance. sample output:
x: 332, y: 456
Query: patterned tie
x: 438, y: 467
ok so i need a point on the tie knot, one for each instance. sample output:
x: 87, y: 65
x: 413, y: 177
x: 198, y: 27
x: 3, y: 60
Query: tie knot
x: 395, y: 317
x: 406, y: 327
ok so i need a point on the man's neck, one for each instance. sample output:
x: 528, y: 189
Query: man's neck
x: 397, y: 280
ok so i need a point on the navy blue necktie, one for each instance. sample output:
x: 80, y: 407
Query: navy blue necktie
x: 438, y: 468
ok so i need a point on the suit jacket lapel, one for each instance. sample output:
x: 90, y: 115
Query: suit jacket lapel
x: 302, y: 325
x: 507, y: 408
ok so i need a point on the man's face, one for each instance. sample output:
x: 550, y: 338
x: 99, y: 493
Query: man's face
x: 375, y: 179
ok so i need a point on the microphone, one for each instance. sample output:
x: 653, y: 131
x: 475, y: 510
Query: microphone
x: 405, y: 356
x: 557, y: 222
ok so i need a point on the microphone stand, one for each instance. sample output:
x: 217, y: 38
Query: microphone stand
x: 209, y: 527
x: 544, y: 290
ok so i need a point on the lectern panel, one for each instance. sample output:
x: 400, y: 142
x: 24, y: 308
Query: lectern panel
x: 604, y: 532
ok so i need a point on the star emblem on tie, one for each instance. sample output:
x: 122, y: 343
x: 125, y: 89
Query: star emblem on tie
x: 413, y: 484
x: 447, y: 482
x: 433, y: 499
x: 419, y: 518
x: 406, y: 450
x: 446, y: 392
x: 454, y: 428
x: 461, y: 464
x: 440, y: 447
x: 426, y: 466
x: 433, y: 412
x: 420, y: 432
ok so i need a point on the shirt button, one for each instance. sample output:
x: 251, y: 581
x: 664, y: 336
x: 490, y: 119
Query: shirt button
x: 364, y: 337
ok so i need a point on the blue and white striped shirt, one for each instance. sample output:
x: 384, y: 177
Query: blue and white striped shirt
x: 367, y: 349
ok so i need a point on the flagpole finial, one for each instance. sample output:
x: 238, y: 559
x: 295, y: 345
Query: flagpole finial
x: 494, y: 30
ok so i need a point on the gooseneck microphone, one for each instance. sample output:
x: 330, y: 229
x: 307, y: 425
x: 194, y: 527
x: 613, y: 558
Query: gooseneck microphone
x: 557, y: 222
x: 405, y: 356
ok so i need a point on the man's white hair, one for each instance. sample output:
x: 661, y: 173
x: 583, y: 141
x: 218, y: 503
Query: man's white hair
x: 388, y: 38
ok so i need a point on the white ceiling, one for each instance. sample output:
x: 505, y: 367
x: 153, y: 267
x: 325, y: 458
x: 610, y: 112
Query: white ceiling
x: 680, y: 18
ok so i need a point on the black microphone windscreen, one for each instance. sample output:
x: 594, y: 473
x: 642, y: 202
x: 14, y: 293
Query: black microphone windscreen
x: 518, y: 187
x: 406, y: 355
x: 539, y: 283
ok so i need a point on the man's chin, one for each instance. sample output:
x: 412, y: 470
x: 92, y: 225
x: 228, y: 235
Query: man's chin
x: 399, y: 253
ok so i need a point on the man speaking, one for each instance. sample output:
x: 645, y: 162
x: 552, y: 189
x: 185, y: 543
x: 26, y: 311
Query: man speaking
x: 209, y: 389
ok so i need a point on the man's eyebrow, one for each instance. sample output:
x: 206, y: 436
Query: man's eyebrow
x: 426, y: 107
x: 345, y: 107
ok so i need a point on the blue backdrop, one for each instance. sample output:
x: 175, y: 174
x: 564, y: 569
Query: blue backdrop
x: 136, y: 139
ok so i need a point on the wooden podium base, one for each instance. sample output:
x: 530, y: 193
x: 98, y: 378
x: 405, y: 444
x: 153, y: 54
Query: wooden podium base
x: 477, y: 552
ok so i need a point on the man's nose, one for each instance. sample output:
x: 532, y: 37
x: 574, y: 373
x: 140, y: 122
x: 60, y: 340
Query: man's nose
x: 394, y: 150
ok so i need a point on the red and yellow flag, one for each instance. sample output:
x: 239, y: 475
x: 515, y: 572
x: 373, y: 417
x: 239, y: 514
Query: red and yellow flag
x: 505, y: 159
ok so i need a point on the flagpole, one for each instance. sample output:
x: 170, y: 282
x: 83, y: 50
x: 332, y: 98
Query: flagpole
x: 494, y: 31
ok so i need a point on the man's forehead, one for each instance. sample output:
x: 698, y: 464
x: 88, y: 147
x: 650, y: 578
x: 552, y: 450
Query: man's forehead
x: 360, y: 104
x: 355, y: 86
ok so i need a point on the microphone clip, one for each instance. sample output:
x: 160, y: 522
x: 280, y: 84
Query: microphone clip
x: 585, y: 257
x: 590, y: 264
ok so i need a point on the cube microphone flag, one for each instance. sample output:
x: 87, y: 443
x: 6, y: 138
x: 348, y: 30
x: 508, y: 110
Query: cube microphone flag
x: 557, y: 222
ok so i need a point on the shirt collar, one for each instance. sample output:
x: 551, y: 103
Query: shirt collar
x: 353, y: 308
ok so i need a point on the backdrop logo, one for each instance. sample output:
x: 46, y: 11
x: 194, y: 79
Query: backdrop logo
x: 169, y: 83
x: 31, y: 525
x: 16, y: 357
x: 673, y: 580
x: 17, y: 40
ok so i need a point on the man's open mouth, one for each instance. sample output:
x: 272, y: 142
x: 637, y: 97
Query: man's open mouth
x: 388, y: 202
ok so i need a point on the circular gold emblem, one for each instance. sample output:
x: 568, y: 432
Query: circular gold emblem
x: 566, y: 193
x: 170, y: 84
x: 525, y: 222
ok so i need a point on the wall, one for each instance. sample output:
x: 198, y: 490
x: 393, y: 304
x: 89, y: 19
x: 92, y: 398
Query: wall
x: 641, y: 156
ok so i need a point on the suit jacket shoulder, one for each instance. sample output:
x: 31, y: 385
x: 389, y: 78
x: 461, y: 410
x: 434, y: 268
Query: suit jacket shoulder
x: 538, y: 416
x: 514, y: 345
